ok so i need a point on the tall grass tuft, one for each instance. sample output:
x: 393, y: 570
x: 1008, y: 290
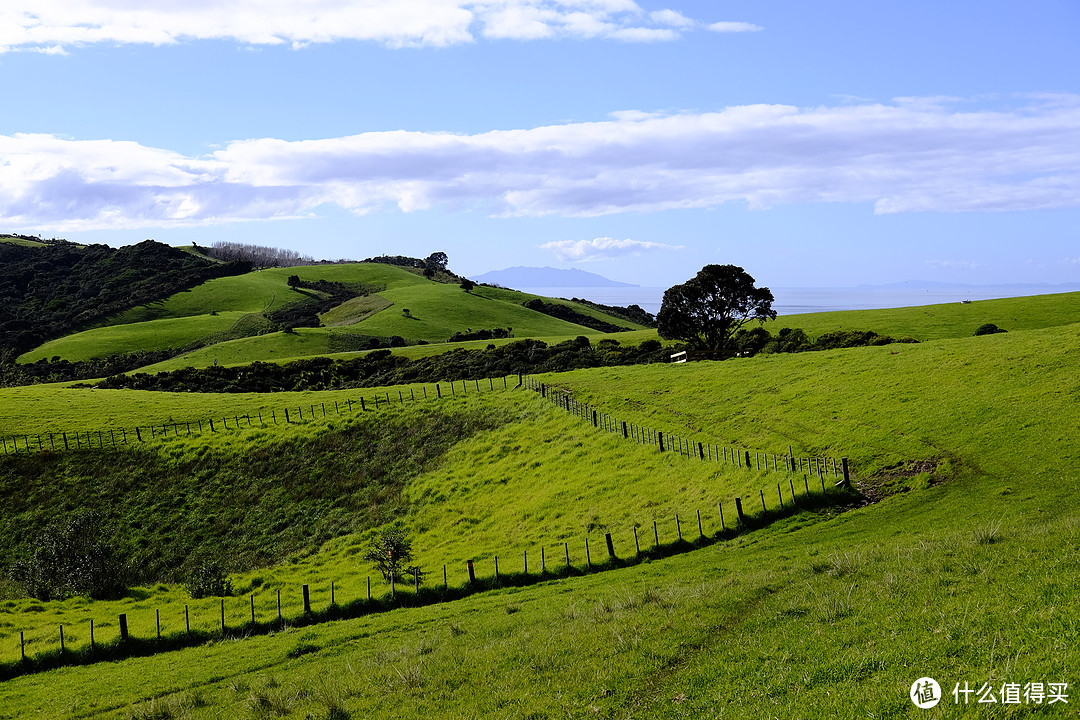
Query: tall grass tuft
x: 987, y: 534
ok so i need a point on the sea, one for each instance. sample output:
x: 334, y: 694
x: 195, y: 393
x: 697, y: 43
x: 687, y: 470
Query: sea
x: 796, y: 300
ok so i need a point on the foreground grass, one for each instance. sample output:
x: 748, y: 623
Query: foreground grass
x: 964, y: 575
x: 794, y: 623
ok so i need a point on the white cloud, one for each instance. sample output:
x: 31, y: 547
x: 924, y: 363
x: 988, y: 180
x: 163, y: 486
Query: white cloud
x: 602, y: 248
x: 671, y: 18
x: 898, y: 158
x: 954, y: 264
x: 49, y: 25
x: 734, y: 27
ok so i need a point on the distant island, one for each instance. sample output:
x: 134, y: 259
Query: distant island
x: 547, y: 277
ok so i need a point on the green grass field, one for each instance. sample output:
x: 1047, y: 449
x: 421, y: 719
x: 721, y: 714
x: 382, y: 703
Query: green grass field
x: 950, y: 320
x: 204, y: 313
x: 965, y: 572
x: 20, y: 241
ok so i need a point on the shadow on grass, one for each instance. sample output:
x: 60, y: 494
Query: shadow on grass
x: 839, y: 498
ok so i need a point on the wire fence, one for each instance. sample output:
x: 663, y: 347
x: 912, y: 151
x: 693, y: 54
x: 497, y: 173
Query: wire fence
x: 99, y: 639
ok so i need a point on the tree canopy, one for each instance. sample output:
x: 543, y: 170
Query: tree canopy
x: 436, y: 261
x: 706, y: 311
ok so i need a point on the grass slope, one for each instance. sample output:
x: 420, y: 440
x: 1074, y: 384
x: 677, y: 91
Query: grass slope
x: 949, y: 320
x: 438, y: 310
x: 20, y: 241
x: 964, y: 575
x: 132, y: 337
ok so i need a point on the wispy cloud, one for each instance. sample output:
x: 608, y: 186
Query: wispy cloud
x: 50, y: 24
x: 954, y: 264
x: 603, y: 248
x: 734, y: 27
x: 899, y: 158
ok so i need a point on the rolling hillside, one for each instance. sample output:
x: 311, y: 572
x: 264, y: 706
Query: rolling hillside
x: 225, y: 306
x: 960, y: 570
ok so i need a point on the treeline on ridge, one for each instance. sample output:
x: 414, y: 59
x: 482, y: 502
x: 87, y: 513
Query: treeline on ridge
x: 633, y: 313
x: 259, y: 256
x: 569, y: 314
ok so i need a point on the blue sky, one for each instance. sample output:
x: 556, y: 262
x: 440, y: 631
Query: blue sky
x: 815, y: 144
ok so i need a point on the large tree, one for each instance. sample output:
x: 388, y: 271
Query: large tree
x: 707, y: 310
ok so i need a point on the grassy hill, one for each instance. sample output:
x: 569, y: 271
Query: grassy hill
x: 20, y: 240
x: 204, y: 313
x: 962, y: 571
x: 51, y: 290
x: 948, y: 320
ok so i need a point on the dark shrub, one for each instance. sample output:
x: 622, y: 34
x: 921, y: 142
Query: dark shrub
x: 208, y: 579
x: 989, y: 329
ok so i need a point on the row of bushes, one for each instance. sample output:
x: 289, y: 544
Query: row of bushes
x: 787, y: 340
x: 380, y: 368
x: 569, y: 314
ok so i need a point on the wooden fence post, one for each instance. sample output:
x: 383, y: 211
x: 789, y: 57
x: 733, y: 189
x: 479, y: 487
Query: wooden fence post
x: 637, y: 546
x: 123, y: 627
x: 739, y: 510
x: 624, y: 433
x: 678, y: 526
x: 780, y: 495
x: 844, y: 468
x: 588, y: 558
x: 472, y: 571
x: 700, y: 531
x: 763, y: 508
x: 660, y: 436
x: 721, y: 507
x: 610, y: 546
x: 307, y: 599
